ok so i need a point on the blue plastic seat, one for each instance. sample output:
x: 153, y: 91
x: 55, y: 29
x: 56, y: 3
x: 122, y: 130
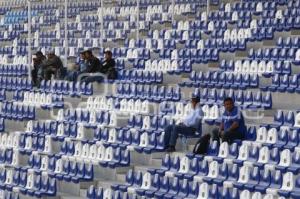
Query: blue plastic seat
x: 264, y: 181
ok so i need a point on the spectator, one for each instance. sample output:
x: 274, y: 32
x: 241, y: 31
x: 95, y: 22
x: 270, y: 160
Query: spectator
x: 108, y: 67
x: 77, y: 69
x: 191, y: 124
x: 232, y: 126
x: 92, y: 66
x: 37, y: 61
x: 52, y: 66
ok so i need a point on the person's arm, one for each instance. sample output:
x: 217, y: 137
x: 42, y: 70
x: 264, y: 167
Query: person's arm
x: 49, y: 62
x: 221, y: 128
x: 234, y: 126
x: 193, y: 118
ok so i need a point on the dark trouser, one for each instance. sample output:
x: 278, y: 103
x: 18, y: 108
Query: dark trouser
x: 89, y: 79
x: 72, y: 75
x: 34, y: 76
x: 48, y: 72
x: 172, y: 132
x: 228, y: 137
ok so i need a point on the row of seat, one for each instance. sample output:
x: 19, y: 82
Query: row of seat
x: 96, y: 154
x: 216, y: 79
x: 16, y: 111
x: 140, y: 76
x: 28, y: 183
x: 39, y: 99
x: 275, y: 54
x: 260, y: 67
x: 154, y: 93
x: 284, y: 118
x: 283, y: 84
x: 66, y: 88
x: 15, y: 83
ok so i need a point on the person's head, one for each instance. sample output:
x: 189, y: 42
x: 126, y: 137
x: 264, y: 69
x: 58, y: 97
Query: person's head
x: 88, y: 54
x: 195, y: 101
x: 39, y: 54
x: 82, y: 55
x: 108, y: 55
x: 50, y: 54
x: 228, y: 104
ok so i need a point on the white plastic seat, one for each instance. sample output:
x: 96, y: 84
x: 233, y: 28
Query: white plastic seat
x: 184, y: 165
x: 93, y: 152
x: 256, y: 195
x: 100, y: 153
x: 264, y: 155
x: 85, y: 152
x: 77, y: 151
x: 223, y: 150
x: 261, y: 135
x: 109, y: 154
x: 203, y: 191
x: 238, y: 66
x: 288, y: 181
x: 272, y: 136
x: 213, y: 169
x: 112, y: 136
x: 285, y: 158
x: 297, y: 120
x: 245, y: 194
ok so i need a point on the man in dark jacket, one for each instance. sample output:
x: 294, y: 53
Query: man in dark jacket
x: 93, y: 63
x: 37, y: 61
x: 105, y: 70
x: 52, y: 66
x: 108, y: 66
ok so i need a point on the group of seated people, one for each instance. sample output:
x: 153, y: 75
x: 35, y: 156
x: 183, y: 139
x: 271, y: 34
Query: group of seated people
x: 232, y: 126
x: 88, y: 69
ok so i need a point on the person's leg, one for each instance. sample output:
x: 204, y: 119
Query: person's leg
x: 180, y: 129
x: 34, y: 76
x: 231, y: 136
x: 93, y: 79
x: 216, y: 135
x: 168, y: 131
x: 48, y: 73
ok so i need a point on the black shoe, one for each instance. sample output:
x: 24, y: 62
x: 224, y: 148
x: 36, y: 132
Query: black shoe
x: 171, y: 149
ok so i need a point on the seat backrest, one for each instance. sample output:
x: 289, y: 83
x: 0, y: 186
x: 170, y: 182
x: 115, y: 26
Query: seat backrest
x: 203, y: 191
x: 264, y: 155
x: 213, y: 169
x: 244, y: 174
x: 285, y: 158
x: 184, y: 165
x: 261, y: 135
x: 288, y: 181
x: 245, y: 194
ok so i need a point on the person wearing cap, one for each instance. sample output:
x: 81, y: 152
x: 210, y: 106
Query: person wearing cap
x: 52, y: 66
x: 191, y: 124
x: 37, y: 61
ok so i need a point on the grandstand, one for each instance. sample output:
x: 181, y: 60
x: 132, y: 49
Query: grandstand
x: 105, y: 140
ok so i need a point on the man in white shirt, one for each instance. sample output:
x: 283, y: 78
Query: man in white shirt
x: 191, y: 124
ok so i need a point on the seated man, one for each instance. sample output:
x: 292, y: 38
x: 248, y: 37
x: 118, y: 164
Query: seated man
x: 92, y: 66
x: 108, y: 67
x: 232, y: 126
x: 37, y: 61
x: 51, y: 66
x: 77, y: 69
x: 191, y: 124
